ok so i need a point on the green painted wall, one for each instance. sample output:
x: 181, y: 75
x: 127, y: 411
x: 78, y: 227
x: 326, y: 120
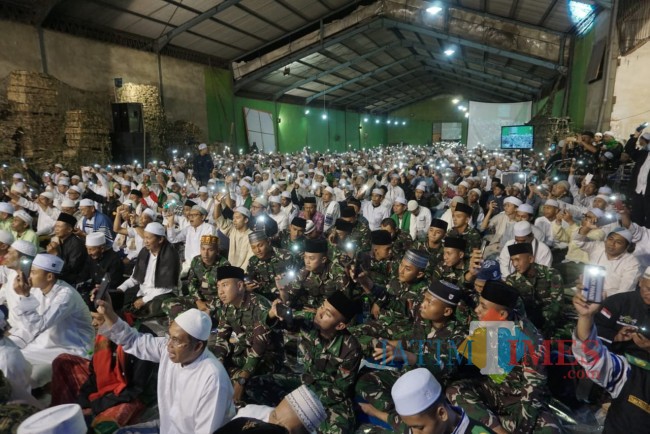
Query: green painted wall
x: 578, y: 80
x: 420, y: 118
x: 219, y: 105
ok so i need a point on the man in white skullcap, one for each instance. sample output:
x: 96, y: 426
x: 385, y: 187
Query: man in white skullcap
x: 496, y: 225
x: 93, y: 221
x: 288, y: 207
x: 195, y: 394
x: 394, y: 190
x: 375, y: 209
x: 299, y: 411
x: 622, y: 268
x: 60, y: 419
x: 191, y: 234
x: 523, y: 233
x: 420, y: 220
x: 101, y: 260
x: 276, y: 213
x: 6, y: 239
x: 327, y: 205
x: 21, y: 227
x: 47, y: 214
x: 549, y: 213
x: 6, y: 215
x: 19, y: 252
x: 52, y: 318
x: 155, y: 275
x: 420, y: 404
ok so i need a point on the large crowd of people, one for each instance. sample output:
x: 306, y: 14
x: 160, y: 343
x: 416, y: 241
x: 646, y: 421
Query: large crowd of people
x: 328, y: 293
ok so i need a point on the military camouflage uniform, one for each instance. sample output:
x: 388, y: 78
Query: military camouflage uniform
x: 361, y: 235
x: 264, y: 271
x: 398, y: 304
x: 295, y: 248
x: 401, y: 243
x: 330, y: 371
x: 516, y: 401
x: 541, y: 291
x: 313, y: 289
x: 434, y: 253
x: 380, y: 272
x: 202, y: 286
x: 471, y: 235
x: 427, y: 343
x: 11, y: 415
x: 244, y: 341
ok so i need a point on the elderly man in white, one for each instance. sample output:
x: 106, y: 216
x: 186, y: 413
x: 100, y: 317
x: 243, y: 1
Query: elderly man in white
x: 195, y: 394
x: 523, y: 233
x: 420, y: 220
x: 191, y: 234
x: 52, y: 318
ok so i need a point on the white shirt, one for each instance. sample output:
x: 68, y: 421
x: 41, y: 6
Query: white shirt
x: 239, y: 251
x: 46, y: 217
x: 192, y: 237
x: 52, y: 324
x: 394, y: 192
x: 195, y: 398
x: 281, y: 219
x: 18, y: 372
x: 641, y: 236
x: 331, y: 212
x: 419, y: 224
x: 642, y: 178
x: 622, y: 273
x: 546, y: 226
x: 7, y: 294
x: 542, y: 253
x: 373, y: 214
x: 254, y: 411
x: 147, y: 290
x: 134, y: 243
x: 291, y: 211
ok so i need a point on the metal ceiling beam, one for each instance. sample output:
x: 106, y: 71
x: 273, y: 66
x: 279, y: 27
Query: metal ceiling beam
x: 455, y: 85
x: 489, y: 77
x: 407, y: 98
x: 547, y: 12
x: 462, y: 80
x: 332, y: 70
x: 304, y: 52
x: 163, y: 40
x: 513, y: 8
x: 367, y: 88
x: 253, y: 13
x: 377, y: 95
x: 356, y: 79
x: 394, y: 107
x: 392, y: 24
x: 42, y: 9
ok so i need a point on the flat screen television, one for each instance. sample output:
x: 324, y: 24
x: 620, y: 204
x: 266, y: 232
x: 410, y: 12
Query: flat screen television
x: 517, y: 137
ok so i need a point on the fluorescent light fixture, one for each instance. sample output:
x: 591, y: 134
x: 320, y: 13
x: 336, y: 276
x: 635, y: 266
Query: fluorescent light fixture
x: 434, y: 10
x: 403, y: 122
x: 388, y: 121
x: 460, y: 107
x: 365, y: 120
x: 449, y: 51
x: 377, y: 121
x: 455, y: 101
x: 324, y: 116
x: 306, y: 111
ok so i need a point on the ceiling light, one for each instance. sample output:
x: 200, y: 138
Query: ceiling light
x: 365, y: 120
x: 388, y: 121
x: 466, y: 114
x: 449, y: 51
x: 306, y: 111
x: 403, y: 122
x: 434, y: 10
x: 460, y: 107
x: 455, y: 101
x: 377, y: 121
x: 324, y: 116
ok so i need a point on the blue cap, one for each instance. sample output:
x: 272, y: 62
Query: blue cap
x: 489, y: 270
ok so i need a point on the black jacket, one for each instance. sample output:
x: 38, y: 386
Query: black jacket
x: 73, y: 252
x: 168, y: 267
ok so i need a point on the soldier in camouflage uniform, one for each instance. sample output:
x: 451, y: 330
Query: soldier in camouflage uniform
x: 266, y: 263
x: 540, y: 288
x: 319, y: 278
x: 394, y: 306
x: 331, y: 357
x: 402, y: 241
x: 341, y: 247
x: 293, y: 239
x: 515, y: 400
x: 361, y: 231
x: 462, y: 229
x: 436, y: 335
x: 245, y: 344
x: 202, y: 279
x: 433, y: 244
x: 379, y: 264
x: 454, y: 263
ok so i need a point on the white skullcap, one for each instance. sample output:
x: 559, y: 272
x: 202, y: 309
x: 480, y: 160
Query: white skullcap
x: 59, y: 165
x: 63, y: 181
x: 552, y: 202
x: 646, y: 273
x: 86, y: 202
x: 200, y: 209
x: 151, y: 213
x: 75, y: 188
x: 274, y: 187
x: 196, y: 323
x: 68, y: 203
x: 274, y: 199
x: 18, y: 176
x: 6, y: 207
x: 125, y: 183
x: 203, y: 146
x: 609, y: 133
x: 203, y: 189
x: 95, y: 239
x: 401, y: 200
x: 646, y: 137
x: 394, y: 175
x: 457, y: 199
x: 622, y: 232
x: 528, y: 209
x: 60, y: 419
x: 262, y: 201
x: 6, y: 237
x: 596, y: 212
x: 464, y: 184
x: 522, y: 229
x: 412, y: 205
x: 47, y: 262
x: 47, y: 194
x: 306, y: 405
x: 18, y: 188
x: 286, y: 194
x: 155, y: 228
x: 310, y: 227
x: 24, y: 247
x: 412, y: 172
x: 20, y: 214
x: 245, y: 184
x: 513, y: 200
x: 243, y: 211
x: 330, y: 190
x: 598, y: 134
x: 604, y: 190
x: 603, y: 197
x: 476, y: 190
x: 378, y: 191
x: 415, y: 391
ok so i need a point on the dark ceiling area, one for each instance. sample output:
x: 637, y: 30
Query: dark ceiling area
x: 370, y: 56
